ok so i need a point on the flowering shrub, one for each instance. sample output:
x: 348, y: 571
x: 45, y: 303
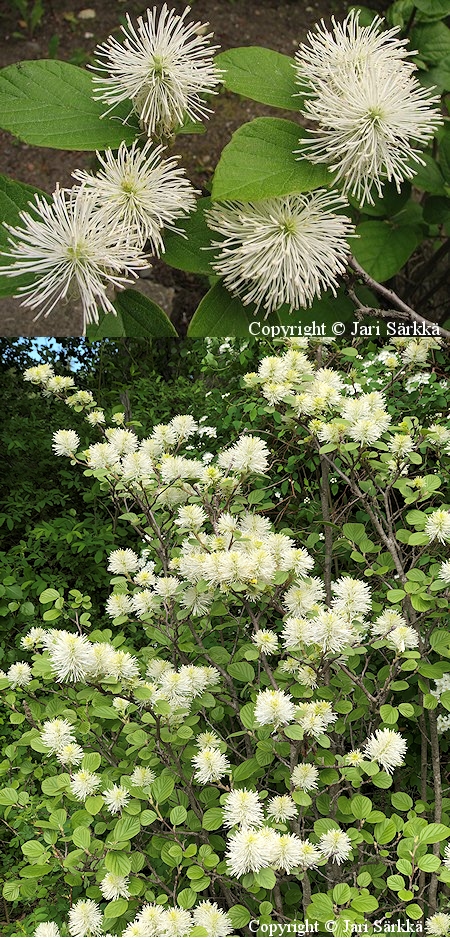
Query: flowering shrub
x: 287, y: 205
x: 266, y: 748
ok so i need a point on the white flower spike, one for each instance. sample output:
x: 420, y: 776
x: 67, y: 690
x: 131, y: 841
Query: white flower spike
x: 164, y: 66
x: 69, y: 252
x: 284, y: 250
x: 140, y: 191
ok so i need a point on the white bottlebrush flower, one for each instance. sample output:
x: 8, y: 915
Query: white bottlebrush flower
x: 351, y: 596
x: 287, y: 852
x: 69, y: 251
x: 282, y: 808
x: 208, y: 740
x: 437, y: 525
x: 183, y: 426
x: 355, y: 757
x: 210, y: 764
x: 331, y: 631
x: 198, y: 603
x: 116, y: 798
x: 19, y: 674
x: 387, y: 748
x: 119, y: 604
x: 70, y: 754
x: 266, y: 641
x: 308, y: 855
x: 335, y: 845
x: 32, y: 638
x: 123, y: 562
x: 57, y: 733
x: 274, y: 706
x: 305, y: 777
x: 141, y: 776
x: 121, y: 440
x: 95, y: 418
x: 248, y: 851
x: 150, y: 918
x: 176, y: 922
x: 387, y: 622
x: 444, y: 572
x: 85, y: 918
x: 404, y: 637
x: 47, y: 930
x: 281, y: 250
x: 369, y: 108
x: 191, y: 517
x: 315, y: 717
x: 242, y: 807
x: 438, y: 926
x: 217, y: 924
x: 164, y: 66
x: 114, y: 886
x: 39, y: 374
x: 248, y: 454
x: 302, y: 597
x: 349, y: 47
x: 65, y: 442
x: 71, y: 657
x: 138, y: 190
x: 83, y: 784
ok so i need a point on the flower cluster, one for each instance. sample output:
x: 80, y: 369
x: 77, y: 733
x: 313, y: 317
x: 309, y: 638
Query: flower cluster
x: 369, y: 109
x: 87, y: 241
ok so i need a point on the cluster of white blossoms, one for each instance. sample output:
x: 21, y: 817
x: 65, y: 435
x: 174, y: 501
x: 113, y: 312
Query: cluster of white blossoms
x: 369, y: 110
x: 86, y: 919
x: 88, y: 241
x: 255, y: 845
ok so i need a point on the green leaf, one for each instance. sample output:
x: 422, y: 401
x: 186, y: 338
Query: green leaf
x: 434, y: 833
x: 220, y: 314
x: 186, y: 899
x: 321, y: 908
x: 265, y: 878
x: 32, y: 849
x: 91, y: 761
x: 118, y: 862
x: 188, y: 252
x: 93, y: 804
x: 8, y: 796
x: 49, y: 103
x: 11, y: 890
x: 262, y: 75
x: 241, y: 671
x: 361, y: 807
x: 414, y: 911
x: 239, y: 915
x: 247, y: 716
x: 401, y: 801
x: 137, y: 317
x: 432, y: 40
x: 82, y: 837
x: 178, y: 815
x: 341, y: 893
x: 212, y: 819
x: 259, y: 162
x: 49, y: 596
x: 126, y: 828
x: 365, y: 903
x: 428, y: 177
x: 245, y: 770
x: 116, y: 908
x: 382, y: 248
x: 389, y: 714
x: 163, y: 787
x: 435, y: 8
x: 429, y: 863
x: 385, y: 831
x: 382, y: 780
x: 354, y: 532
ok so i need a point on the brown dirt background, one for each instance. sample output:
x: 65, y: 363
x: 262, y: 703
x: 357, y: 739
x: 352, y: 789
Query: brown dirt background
x: 280, y: 26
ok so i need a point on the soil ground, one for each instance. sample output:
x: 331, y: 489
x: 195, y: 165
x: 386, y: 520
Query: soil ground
x: 70, y: 30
